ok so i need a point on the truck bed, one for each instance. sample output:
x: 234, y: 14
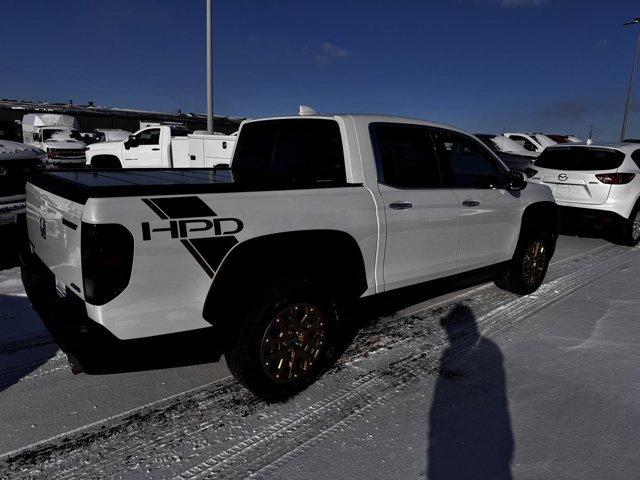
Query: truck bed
x: 80, y: 185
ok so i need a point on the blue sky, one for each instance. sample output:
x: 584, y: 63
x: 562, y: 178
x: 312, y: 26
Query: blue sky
x: 483, y: 65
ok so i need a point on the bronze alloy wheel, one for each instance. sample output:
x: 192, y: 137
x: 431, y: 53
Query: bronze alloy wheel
x: 534, y: 262
x: 293, y: 343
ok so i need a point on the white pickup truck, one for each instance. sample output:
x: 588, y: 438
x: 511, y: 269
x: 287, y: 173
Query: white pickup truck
x: 162, y: 146
x: 315, y: 211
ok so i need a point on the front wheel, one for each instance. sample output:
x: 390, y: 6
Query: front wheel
x: 285, y: 341
x: 529, y: 265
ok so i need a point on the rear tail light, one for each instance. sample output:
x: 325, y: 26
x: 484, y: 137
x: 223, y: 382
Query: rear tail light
x: 615, y: 178
x: 52, y: 153
x: 107, y: 258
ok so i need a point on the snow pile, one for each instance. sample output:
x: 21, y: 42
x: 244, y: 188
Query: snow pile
x: 14, y: 149
x: 505, y: 144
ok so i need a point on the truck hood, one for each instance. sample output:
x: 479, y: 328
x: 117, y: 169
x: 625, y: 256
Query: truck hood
x: 104, y: 146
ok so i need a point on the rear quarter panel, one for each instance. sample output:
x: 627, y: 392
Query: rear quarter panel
x: 168, y: 286
x: 57, y: 244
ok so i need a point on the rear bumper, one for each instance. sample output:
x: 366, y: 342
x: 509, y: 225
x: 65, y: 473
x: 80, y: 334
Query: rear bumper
x: 65, y: 316
x: 91, y: 347
x: 617, y: 203
x: 589, y: 217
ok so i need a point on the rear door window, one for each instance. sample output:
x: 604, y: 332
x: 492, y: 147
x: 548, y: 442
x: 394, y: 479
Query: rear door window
x: 303, y: 153
x: 405, y: 156
x: 580, y: 158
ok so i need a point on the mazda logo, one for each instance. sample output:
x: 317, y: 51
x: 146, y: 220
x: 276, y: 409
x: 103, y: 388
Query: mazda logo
x: 562, y: 177
x: 43, y: 228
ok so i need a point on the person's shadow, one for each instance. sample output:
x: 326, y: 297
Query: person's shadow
x: 470, y: 433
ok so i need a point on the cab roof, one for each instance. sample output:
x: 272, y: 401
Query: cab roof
x: 361, y: 118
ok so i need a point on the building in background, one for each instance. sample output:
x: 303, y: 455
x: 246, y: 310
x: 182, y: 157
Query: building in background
x: 91, y: 117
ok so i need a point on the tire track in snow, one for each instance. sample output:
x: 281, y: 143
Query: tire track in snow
x: 274, y: 445
x: 149, y: 447
x: 136, y: 440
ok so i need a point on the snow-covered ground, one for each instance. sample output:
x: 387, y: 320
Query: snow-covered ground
x: 461, y: 383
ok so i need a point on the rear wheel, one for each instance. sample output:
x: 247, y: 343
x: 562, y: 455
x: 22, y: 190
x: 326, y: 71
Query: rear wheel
x: 631, y: 228
x: 285, y: 341
x: 528, y: 267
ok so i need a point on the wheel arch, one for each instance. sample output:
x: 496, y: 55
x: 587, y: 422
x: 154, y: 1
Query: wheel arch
x: 105, y: 160
x: 544, y: 217
x: 331, y: 257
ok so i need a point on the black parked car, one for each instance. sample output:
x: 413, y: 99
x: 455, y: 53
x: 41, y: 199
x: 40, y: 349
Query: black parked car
x: 510, y: 152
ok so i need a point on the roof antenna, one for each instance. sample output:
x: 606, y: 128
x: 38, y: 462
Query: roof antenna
x: 306, y: 111
x: 590, y: 140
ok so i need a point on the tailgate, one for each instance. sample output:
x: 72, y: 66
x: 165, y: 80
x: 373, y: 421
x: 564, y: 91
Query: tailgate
x: 570, y: 172
x: 53, y: 226
x: 576, y: 187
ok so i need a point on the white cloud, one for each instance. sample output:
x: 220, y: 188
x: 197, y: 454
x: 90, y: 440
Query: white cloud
x: 329, y: 52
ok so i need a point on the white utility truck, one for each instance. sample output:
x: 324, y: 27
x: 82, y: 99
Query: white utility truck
x: 162, y: 146
x: 57, y: 135
x: 315, y: 212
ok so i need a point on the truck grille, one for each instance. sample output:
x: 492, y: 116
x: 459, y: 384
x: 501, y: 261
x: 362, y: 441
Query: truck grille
x: 65, y: 153
x: 13, y: 175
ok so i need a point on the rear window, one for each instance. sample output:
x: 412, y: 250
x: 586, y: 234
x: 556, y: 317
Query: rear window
x: 304, y: 153
x: 405, y: 156
x: 580, y: 158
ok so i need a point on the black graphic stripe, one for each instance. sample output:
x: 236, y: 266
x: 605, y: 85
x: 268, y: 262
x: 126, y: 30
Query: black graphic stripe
x: 183, y: 207
x: 155, y: 208
x: 214, y: 249
x: 69, y: 224
x: 198, y: 257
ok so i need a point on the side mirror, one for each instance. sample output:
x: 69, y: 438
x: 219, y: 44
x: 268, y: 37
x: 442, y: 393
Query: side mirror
x: 515, y: 180
x: 132, y: 142
x: 36, y: 137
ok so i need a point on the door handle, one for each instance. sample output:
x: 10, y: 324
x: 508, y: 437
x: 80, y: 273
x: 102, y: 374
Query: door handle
x: 401, y: 205
x: 155, y: 149
x: 470, y: 203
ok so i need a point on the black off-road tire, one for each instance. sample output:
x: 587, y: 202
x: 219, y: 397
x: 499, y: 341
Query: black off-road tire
x: 628, y: 235
x: 514, y: 278
x: 243, y: 353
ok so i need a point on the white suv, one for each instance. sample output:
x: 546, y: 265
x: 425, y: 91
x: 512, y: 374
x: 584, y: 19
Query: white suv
x: 598, y: 184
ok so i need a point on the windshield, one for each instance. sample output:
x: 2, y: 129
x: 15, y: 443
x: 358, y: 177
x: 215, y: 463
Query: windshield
x: 60, y: 134
x: 580, y: 158
x: 543, y: 140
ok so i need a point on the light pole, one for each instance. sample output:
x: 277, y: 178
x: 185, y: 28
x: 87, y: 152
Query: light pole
x: 627, y: 108
x: 209, y: 71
